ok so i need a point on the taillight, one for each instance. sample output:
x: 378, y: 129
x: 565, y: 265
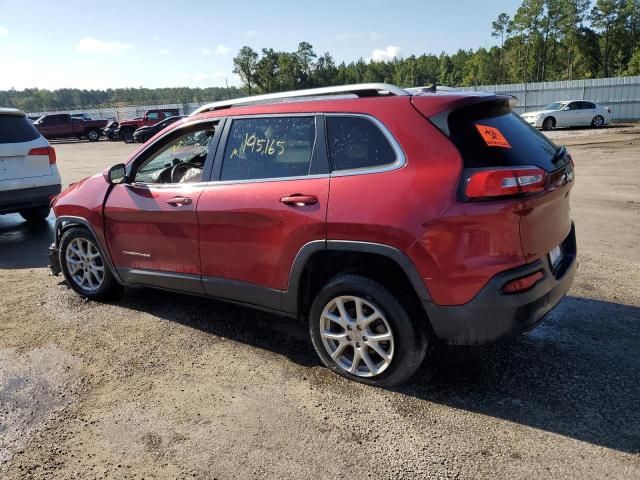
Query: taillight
x: 504, y: 182
x: 523, y: 283
x: 48, y: 151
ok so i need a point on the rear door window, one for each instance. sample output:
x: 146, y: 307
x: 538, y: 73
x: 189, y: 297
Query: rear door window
x: 489, y: 134
x: 16, y: 129
x: 271, y: 147
x: 356, y: 142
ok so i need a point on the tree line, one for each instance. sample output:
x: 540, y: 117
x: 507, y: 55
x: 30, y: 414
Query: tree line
x: 36, y: 100
x: 543, y: 40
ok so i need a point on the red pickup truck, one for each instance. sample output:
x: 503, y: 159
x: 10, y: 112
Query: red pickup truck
x: 151, y: 117
x: 62, y: 125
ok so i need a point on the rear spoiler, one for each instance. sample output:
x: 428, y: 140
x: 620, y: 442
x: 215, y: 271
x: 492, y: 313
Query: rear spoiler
x: 437, y: 112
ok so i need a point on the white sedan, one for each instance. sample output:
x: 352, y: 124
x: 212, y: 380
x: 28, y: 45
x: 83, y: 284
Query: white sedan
x: 571, y: 113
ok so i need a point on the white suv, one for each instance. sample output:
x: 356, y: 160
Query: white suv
x: 29, y: 178
x: 572, y: 113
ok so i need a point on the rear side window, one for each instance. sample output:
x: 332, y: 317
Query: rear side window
x: 273, y: 147
x: 489, y: 134
x: 16, y: 129
x: 356, y: 142
x: 587, y: 105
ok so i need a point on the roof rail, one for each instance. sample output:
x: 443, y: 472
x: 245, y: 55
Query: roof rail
x: 361, y: 90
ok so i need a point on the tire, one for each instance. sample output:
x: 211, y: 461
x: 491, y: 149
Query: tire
x: 403, y: 341
x: 79, y: 254
x: 597, y: 122
x: 36, y: 214
x: 93, y: 135
x: 127, y: 135
x: 548, y: 124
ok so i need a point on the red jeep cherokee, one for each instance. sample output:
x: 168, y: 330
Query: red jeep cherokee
x: 384, y: 219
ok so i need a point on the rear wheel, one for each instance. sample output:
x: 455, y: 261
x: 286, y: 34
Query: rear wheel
x: 127, y: 135
x: 36, y: 214
x: 362, y: 332
x: 597, y: 122
x: 93, y: 135
x: 548, y: 123
x: 84, y: 268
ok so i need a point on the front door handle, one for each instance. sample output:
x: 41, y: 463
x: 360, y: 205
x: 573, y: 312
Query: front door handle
x: 179, y: 201
x: 299, y: 200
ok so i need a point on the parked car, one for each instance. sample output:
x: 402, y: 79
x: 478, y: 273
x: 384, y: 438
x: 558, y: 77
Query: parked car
x: 151, y: 117
x: 111, y: 130
x: 572, y: 113
x: 29, y: 176
x: 81, y: 116
x: 143, y: 134
x: 62, y: 125
x: 385, y: 221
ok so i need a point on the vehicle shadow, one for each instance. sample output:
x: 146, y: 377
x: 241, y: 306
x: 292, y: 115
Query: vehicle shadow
x: 575, y: 375
x: 24, y: 244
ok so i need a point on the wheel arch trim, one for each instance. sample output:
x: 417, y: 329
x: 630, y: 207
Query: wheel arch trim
x: 61, y: 226
x: 290, y: 296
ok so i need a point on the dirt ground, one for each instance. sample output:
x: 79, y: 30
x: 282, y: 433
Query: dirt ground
x: 168, y: 386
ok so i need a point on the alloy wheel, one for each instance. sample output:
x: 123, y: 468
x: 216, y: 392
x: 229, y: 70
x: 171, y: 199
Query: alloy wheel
x: 85, y: 264
x: 357, y: 336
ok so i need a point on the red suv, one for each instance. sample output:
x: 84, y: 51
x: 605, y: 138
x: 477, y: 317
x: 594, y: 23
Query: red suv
x: 383, y: 219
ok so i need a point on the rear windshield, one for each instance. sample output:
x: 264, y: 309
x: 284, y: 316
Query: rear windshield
x: 16, y: 129
x: 489, y: 134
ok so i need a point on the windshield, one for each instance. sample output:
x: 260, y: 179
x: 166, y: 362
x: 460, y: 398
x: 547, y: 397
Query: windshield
x: 555, y: 106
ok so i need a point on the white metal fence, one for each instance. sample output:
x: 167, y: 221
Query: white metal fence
x: 621, y: 94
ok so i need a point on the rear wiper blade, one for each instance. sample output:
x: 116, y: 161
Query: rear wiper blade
x: 559, y: 153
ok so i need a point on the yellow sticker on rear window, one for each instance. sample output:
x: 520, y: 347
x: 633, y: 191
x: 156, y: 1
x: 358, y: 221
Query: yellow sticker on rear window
x: 492, y: 136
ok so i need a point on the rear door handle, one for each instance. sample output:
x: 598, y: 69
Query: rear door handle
x: 179, y: 201
x: 299, y: 200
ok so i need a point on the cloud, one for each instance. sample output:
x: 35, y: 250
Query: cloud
x: 205, y: 51
x: 163, y: 51
x: 250, y: 33
x: 222, y: 49
x: 376, y: 35
x: 93, y: 45
x: 3, y: 31
x: 382, y: 55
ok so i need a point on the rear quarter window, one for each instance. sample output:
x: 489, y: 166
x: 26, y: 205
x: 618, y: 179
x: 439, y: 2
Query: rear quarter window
x: 357, y: 142
x: 16, y: 129
x: 516, y: 143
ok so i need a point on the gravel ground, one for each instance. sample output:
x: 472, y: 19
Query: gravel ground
x: 159, y: 385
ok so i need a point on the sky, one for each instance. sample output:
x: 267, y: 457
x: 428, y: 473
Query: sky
x: 133, y: 43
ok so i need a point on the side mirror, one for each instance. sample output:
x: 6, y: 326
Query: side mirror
x: 565, y: 108
x: 145, y: 118
x: 117, y: 174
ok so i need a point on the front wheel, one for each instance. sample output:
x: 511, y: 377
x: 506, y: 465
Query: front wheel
x: 127, y: 135
x: 362, y: 332
x: 597, y: 122
x: 548, y: 124
x: 84, y: 267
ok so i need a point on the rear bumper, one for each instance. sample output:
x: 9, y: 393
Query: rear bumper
x: 12, y: 201
x: 493, y: 315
